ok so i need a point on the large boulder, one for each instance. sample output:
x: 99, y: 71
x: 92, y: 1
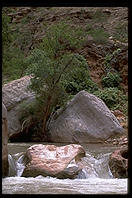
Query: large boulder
x: 5, y: 165
x: 118, y: 163
x: 50, y: 160
x: 85, y: 119
x: 13, y: 94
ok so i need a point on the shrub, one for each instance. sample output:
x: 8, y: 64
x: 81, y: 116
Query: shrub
x: 61, y: 36
x: 78, y: 78
x: 6, y: 36
x: 13, y: 57
x: 113, y: 98
x: 121, y: 33
x: 109, y: 58
x: 14, y: 64
x: 99, y: 16
x: 111, y: 80
x: 99, y: 35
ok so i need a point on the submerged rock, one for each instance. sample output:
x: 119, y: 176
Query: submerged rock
x: 50, y: 160
x: 85, y: 119
x: 118, y: 163
x: 5, y: 165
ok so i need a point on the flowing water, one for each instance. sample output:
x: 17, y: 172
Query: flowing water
x: 97, y: 179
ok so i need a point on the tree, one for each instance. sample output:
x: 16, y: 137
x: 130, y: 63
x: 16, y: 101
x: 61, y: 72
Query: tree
x: 52, y: 64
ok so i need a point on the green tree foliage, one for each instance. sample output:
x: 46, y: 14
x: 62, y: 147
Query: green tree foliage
x: 57, y: 71
x: 78, y: 78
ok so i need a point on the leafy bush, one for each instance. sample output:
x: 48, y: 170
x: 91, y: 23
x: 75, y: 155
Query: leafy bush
x: 6, y: 36
x: 14, y: 65
x: 78, y: 78
x: 61, y: 36
x: 108, y: 59
x: 113, y: 98
x: 13, y: 58
x: 121, y: 33
x: 111, y: 80
x: 99, y: 16
x: 99, y: 35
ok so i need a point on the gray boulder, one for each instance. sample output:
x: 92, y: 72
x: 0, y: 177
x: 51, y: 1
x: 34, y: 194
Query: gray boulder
x: 13, y: 94
x: 5, y: 165
x: 85, y: 118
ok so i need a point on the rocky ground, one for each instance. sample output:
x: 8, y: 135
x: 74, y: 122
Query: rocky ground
x: 121, y: 141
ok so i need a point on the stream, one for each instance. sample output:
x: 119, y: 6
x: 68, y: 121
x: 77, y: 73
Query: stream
x: 97, y: 180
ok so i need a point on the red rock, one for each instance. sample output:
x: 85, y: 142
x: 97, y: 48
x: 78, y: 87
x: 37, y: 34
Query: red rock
x: 118, y: 163
x: 53, y: 161
x: 117, y: 113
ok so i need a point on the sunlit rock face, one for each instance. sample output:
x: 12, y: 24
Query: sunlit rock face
x: 4, y: 142
x: 50, y: 160
x: 86, y: 119
x: 13, y: 94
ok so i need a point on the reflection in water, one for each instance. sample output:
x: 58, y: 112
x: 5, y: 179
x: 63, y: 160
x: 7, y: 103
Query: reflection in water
x: 95, y: 178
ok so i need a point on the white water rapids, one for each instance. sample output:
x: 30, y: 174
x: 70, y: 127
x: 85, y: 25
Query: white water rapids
x: 96, y: 179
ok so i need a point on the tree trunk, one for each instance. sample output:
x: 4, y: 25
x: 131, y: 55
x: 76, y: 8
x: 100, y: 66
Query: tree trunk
x: 47, y: 113
x: 49, y: 101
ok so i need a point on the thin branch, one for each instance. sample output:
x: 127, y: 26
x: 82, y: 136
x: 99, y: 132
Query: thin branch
x: 63, y: 71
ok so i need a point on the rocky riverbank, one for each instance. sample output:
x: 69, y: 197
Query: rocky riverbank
x: 121, y: 141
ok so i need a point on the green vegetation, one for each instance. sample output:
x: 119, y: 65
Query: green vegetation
x: 108, y: 59
x: 99, y: 16
x: 111, y: 80
x: 78, y: 77
x: 6, y: 37
x: 113, y: 98
x: 56, y: 71
x: 14, y: 49
x: 121, y: 33
x: 14, y: 64
x: 98, y: 34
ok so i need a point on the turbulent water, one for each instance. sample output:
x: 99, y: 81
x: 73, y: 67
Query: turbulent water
x: 96, y: 180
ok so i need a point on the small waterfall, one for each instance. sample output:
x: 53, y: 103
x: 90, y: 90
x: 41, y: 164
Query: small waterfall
x: 102, y: 166
x: 20, y: 166
x: 16, y: 166
x: 12, y: 166
x: 95, y: 167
